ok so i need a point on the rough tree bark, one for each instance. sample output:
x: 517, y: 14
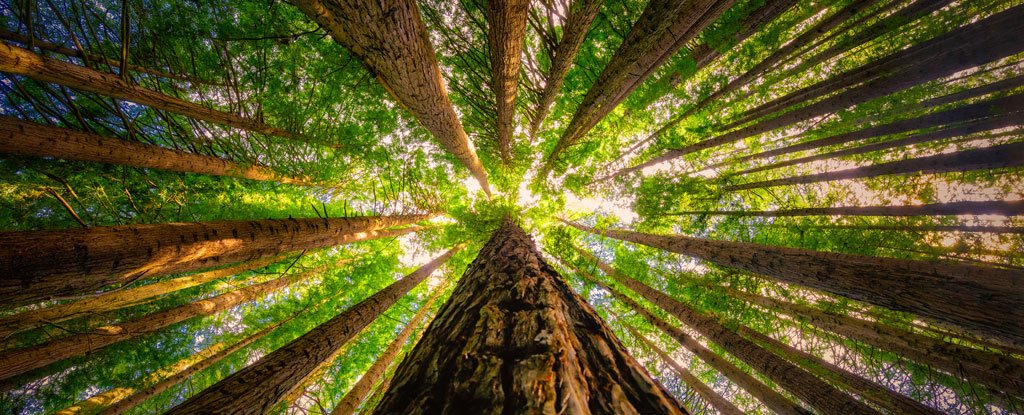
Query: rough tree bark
x: 514, y: 339
x: 36, y: 140
x: 24, y: 62
x: 506, y: 21
x: 992, y: 207
x: 802, y: 384
x: 255, y: 389
x: 392, y: 41
x: 986, y: 301
x: 37, y: 265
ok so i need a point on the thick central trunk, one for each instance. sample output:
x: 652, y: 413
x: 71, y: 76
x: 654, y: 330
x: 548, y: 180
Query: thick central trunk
x: 513, y: 338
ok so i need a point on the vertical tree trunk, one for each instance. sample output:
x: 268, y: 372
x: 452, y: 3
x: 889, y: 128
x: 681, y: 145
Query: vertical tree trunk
x: 255, y: 389
x: 24, y: 62
x: 350, y: 402
x: 514, y: 339
x: 988, y: 207
x: 574, y: 31
x: 987, y: 301
x: 506, y: 21
x: 717, y: 401
x: 37, y: 265
x: 392, y: 41
x: 36, y: 140
x: 803, y: 385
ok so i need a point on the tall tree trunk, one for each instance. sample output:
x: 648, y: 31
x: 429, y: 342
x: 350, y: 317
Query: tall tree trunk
x: 506, y: 21
x: 997, y: 371
x: 20, y: 361
x: 574, y: 31
x: 37, y: 265
x: 392, y: 41
x: 255, y: 389
x: 926, y: 228
x: 989, y: 158
x: 760, y: 391
x: 36, y: 140
x: 990, y: 207
x: 717, y: 401
x: 652, y: 40
x: 514, y: 339
x: 24, y: 62
x: 800, y: 383
x: 987, y: 301
x: 355, y: 396
x: 118, y: 299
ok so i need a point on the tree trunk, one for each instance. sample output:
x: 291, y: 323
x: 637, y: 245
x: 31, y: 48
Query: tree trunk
x: 392, y: 41
x: 997, y: 371
x: 355, y: 396
x: 36, y: 140
x: 988, y: 158
x: 925, y: 228
x: 800, y: 383
x: 37, y: 265
x: 118, y: 299
x: 574, y: 31
x: 652, y: 40
x: 20, y: 361
x: 24, y: 62
x: 722, y: 405
x: 514, y: 339
x: 991, y: 207
x: 506, y: 21
x: 255, y: 389
x: 987, y: 301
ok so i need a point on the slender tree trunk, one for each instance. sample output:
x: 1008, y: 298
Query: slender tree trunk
x: 355, y: 396
x: 926, y: 228
x: 36, y: 140
x: 989, y: 158
x: 392, y: 41
x: 118, y: 299
x: 574, y: 31
x: 652, y: 40
x: 800, y: 383
x: 995, y: 370
x: 991, y: 207
x: 514, y: 339
x: 506, y: 21
x: 20, y: 361
x: 1002, y: 85
x: 37, y: 265
x: 24, y: 62
x: 986, y: 301
x: 255, y: 389
x: 722, y: 405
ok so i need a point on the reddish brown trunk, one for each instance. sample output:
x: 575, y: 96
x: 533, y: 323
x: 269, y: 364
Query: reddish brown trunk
x: 506, y: 21
x: 393, y: 43
x: 987, y: 301
x: 36, y: 265
x: 255, y: 389
x: 514, y: 339
x: 992, y: 207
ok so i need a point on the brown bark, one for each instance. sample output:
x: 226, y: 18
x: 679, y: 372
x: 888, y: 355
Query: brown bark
x: 37, y: 265
x: 926, y: 228
x: 506, y: 21
x: 989, y: 158
x: 23, y: 62
x: 514, y: 339
x: 986, y: 301
x: 574, y: 31
x: 355, y: 396
x: 802, y: 384
x: 652, y: 40
x: 991, y: 207
x: 36, y: 140
x: 20, y: 361
x: 118, y: 299
x: 717, y: 401
x: 997, y: 371
x: 255, y: 389
x: 392, y: 41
